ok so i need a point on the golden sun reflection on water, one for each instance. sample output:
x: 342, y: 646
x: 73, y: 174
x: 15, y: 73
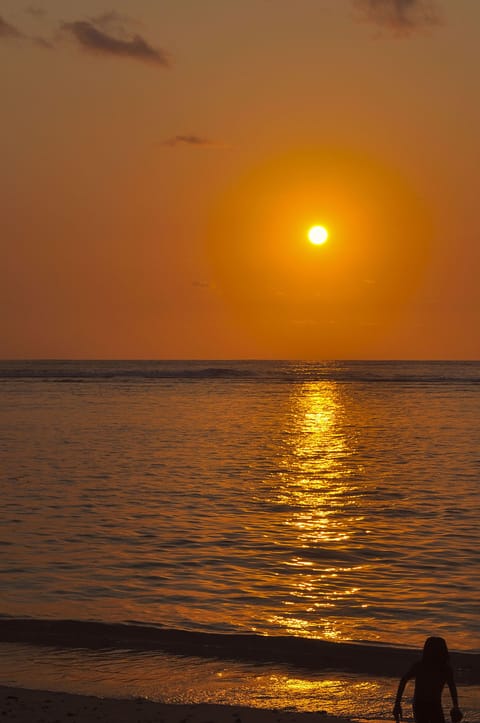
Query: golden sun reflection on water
x: 317, y: 485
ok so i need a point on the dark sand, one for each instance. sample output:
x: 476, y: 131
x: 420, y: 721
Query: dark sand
x: 18, y: 705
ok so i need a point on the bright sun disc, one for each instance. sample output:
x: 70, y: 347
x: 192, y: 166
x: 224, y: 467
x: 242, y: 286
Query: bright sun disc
x: 317, y: 235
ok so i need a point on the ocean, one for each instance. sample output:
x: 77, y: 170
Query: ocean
x: 273, y: 533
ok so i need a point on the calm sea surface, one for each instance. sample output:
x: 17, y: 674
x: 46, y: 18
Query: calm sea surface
x: 336, y: 501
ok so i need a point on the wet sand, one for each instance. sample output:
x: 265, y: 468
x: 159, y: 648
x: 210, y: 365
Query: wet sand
x: 18, y: 705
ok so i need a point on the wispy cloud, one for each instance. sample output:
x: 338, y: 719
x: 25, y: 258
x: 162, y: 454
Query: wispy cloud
x: 8, y: 31
x: 111, y: 33
x: 108, y: 35
x: 116, y: 23
x: 192, y: 140
x: 402, y: 17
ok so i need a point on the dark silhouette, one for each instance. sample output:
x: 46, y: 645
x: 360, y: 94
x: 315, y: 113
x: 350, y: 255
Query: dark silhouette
x: 431, y: 673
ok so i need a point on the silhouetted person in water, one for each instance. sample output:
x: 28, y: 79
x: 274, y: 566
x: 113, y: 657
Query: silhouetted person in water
x: 431, y: 673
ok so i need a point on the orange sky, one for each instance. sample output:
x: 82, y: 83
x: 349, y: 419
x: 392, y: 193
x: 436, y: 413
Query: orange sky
x: 162, y: 162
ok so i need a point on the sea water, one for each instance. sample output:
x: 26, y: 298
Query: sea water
x: 333, y: 501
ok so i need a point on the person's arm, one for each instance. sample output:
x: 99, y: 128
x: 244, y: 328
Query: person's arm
x: 455, y: 714
x: 397, y: 708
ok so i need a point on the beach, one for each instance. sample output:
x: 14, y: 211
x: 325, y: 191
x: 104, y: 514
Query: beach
x: 41, y: 706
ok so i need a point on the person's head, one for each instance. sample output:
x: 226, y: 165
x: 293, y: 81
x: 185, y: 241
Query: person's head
x: 435, y: 651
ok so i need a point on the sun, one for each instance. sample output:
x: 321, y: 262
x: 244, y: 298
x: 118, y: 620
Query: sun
x: 317, y: 235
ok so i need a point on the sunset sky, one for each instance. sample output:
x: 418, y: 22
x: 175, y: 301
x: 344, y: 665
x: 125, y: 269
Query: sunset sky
x: 163, y: 160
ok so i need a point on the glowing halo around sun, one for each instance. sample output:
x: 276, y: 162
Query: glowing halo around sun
x: 317, y: 235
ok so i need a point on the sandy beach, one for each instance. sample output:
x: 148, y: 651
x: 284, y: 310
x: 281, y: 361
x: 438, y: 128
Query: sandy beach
x: 40, y: 706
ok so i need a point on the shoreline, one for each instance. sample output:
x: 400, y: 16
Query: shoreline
x: 24, y: 705
x: 304, y: 653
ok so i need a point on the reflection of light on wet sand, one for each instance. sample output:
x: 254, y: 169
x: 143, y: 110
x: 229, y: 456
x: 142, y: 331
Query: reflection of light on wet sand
x: 167, y: 678
x: 171, y: 679
x: 317, y: 485
x: 330, y: 693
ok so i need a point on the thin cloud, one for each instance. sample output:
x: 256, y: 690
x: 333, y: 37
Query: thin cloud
x: 115, y: 23
x: 8, y: 31
x: 402, y: 17
x: 94, y: 36
x: 192, y: 140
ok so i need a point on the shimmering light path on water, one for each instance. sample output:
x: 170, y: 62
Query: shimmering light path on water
x: 334, y: 501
